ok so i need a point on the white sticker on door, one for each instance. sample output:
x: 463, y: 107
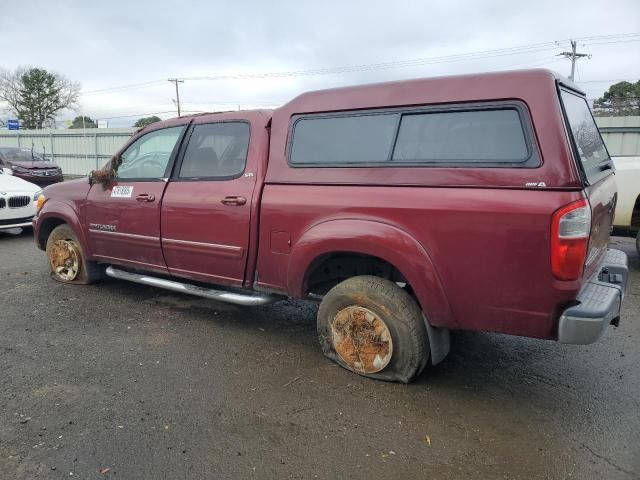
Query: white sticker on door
x: 122, y: 191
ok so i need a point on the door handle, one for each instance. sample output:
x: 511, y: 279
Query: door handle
x: 234, y: 200
x: 145, y: 197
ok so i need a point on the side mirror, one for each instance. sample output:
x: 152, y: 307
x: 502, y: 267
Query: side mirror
x: 107, y: 174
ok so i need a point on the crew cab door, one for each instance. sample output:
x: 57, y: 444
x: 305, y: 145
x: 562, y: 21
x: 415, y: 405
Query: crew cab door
x: 206, y: 210
x: 123, y: 218
x: 597, y: 168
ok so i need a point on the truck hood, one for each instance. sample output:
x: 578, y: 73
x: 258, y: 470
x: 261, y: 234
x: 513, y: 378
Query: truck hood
x: 34, y: 164
x: 9, y: 183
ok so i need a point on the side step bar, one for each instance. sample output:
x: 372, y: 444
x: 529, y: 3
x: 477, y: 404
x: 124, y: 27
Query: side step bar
x: 252, y: 300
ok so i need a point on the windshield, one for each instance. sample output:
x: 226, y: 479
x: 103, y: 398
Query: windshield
x: 585, y: 133
x: 19, y: 155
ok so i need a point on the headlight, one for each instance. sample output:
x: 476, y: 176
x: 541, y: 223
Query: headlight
x: 19, y: 169
x: 40, y: 202
x: 37, y: 195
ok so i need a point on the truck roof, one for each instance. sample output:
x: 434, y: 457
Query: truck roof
x: 449, y: 89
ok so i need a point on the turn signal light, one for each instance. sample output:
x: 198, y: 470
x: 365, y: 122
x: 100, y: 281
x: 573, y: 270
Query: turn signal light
x: 40, y: 202
x: 570, y: 231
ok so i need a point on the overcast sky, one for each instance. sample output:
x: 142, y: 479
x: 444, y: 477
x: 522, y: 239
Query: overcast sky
x: 111, y: 44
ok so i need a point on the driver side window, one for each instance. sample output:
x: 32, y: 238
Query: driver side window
x: 148, y: 157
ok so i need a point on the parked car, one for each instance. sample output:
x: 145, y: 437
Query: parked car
x: 17, y: 202
x: 29, y: 165
x: 479, y: 202
x: 627, y: 219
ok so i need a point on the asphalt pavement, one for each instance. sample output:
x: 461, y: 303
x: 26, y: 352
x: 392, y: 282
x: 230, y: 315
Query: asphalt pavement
x: 118, y: 380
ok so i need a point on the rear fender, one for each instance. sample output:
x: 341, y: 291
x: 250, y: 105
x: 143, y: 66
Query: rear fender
x: 380, y: 240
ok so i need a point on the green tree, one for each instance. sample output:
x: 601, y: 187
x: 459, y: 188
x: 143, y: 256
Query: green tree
x: 36, y: 96
x: 621, y: 99
x: 144, y: 121
x: 83, y: 122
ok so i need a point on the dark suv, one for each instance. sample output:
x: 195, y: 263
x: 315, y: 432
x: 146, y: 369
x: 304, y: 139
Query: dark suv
x: 30, y: 166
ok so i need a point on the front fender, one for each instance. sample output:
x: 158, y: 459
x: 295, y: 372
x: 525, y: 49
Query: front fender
x: 55, y: 209
x: 380, y: 240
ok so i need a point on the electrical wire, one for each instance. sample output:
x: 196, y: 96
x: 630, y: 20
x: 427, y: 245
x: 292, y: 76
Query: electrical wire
x: 469, y: 56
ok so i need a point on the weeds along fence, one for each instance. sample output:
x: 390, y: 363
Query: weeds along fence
x: 76, y: 151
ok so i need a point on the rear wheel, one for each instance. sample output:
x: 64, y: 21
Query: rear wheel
x: 374, y: 328
x: 638, y: 243
x: 66, y: 258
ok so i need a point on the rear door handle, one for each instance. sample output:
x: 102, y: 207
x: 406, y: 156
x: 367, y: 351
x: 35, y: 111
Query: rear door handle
x: 234, y: 200
x: 145, y: 197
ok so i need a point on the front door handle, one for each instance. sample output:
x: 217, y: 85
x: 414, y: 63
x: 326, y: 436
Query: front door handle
x: 145, y: 197
x: 234, y: 200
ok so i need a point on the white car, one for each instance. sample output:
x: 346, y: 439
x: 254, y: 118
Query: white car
x: 627, y: 219
x: 17, y: 201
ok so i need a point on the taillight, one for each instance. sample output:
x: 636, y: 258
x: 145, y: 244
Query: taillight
x: 570, y: 229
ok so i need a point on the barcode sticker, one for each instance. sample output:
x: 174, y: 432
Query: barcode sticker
x: 122, y: 192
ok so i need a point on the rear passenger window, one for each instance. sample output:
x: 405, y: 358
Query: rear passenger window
x: 476, y: 137
x: 216, y: 150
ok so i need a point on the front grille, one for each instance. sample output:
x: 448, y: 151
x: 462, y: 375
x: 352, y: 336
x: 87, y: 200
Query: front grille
x: 44, y: 173
x: 3, y: 203
x: 19, y: 202
x: 15, y: 221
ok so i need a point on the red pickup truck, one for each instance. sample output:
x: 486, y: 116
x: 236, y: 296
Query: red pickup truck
x: 408, y: 209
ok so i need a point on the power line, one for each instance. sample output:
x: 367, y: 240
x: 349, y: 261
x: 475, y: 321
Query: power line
x: 517, y: 50
x: 130, y: 86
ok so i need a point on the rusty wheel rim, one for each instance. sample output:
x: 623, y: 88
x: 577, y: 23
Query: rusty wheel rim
x: 361, y: 339
x: 64, y: 258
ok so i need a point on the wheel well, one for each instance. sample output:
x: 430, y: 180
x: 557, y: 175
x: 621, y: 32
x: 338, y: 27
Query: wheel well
x: 635, y: 215
x: 328, y: 270
x: 45, y: 230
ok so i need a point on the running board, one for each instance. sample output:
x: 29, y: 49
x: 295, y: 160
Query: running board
x: 251, y: 300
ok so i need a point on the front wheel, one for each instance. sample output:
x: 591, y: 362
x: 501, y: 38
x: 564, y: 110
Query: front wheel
x: 374, y: 328
x: 66, y: 258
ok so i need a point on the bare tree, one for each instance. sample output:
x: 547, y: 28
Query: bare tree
x: 36, y: 96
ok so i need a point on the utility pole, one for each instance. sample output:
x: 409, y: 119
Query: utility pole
x: 573, y: 55
x: 177, y: 81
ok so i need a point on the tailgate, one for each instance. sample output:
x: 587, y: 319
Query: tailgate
x: 602, y: 198
x: 597, y: 172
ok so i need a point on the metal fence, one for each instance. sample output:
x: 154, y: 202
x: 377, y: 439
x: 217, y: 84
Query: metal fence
x: 82, y: 150
x: 621, y: 134
x: 77, y: 151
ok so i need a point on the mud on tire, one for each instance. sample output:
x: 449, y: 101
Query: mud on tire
x: 67, y: 261
x: 374, y: 328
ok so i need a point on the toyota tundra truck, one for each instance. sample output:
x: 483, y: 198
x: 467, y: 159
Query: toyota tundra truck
x: 406, y: 209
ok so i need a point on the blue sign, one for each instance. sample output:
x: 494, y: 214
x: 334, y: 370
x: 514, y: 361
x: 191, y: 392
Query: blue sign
x: 13, y: 124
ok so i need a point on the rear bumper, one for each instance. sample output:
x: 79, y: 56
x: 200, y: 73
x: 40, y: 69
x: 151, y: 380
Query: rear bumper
x: 599, y: 302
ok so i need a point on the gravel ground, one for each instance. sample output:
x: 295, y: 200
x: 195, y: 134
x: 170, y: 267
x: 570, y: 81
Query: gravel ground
x: 119, y: 380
